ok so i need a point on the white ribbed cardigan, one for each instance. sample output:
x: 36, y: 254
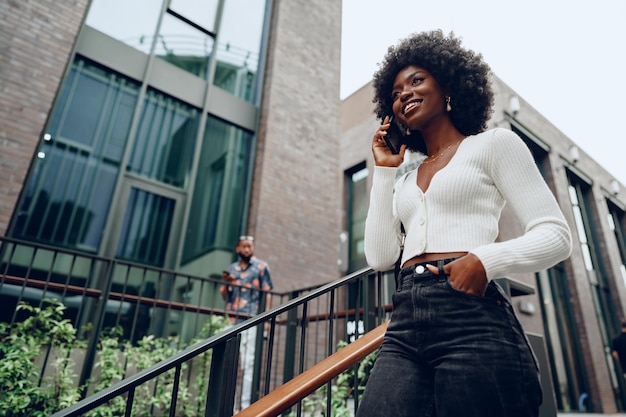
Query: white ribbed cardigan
x: 459, y: 211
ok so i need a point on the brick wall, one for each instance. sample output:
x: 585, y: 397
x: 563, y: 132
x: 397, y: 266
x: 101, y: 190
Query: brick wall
x: 297, y: 184
x: 36, y: 39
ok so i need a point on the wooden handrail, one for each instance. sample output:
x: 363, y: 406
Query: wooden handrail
x: 288, y: 394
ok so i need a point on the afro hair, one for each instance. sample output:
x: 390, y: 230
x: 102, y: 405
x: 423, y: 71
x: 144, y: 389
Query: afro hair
x: 460, y: 72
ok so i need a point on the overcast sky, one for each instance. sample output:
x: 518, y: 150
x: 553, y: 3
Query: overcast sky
x: 566, y: 58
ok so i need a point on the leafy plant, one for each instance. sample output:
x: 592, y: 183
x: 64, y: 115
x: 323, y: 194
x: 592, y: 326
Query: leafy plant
x: 110, y: 368
x: 25, y: 393
x: 20, y: 345
x: 117, y: 361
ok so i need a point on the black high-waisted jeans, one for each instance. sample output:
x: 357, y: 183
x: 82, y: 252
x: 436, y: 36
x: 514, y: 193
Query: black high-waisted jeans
x: 451, y: 354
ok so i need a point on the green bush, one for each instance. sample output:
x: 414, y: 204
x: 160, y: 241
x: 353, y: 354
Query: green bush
x: 26, y: 393
x: 22, y: 394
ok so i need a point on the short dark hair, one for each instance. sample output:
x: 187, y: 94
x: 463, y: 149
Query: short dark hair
x: 462, y: 74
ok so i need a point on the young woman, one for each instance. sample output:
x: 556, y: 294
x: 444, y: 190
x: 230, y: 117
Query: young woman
x: 454, y: 346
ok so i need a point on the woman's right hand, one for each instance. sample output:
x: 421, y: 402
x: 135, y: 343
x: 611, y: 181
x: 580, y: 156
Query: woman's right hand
x: 382, y: 154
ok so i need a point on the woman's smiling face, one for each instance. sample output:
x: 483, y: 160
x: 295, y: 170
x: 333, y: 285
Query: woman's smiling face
x: 418, y: 99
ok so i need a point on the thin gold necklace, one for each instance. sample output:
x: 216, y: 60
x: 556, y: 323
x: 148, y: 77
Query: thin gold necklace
x: 430, y: 159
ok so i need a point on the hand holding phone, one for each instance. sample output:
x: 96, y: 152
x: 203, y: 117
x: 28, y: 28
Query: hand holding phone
x: 227, y: 276
x: 393, y: 138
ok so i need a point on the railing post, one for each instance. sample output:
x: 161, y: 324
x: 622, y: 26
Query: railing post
x: 369, y: 303
x: 290, y: 342
x: 258, y: 350
x: 160, y: 319
x: 223, y: 379
x: 94, y: 336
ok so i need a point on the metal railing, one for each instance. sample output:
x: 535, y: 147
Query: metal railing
x: 102, y: 293
x: 277, y: 348
x: 307, y: 326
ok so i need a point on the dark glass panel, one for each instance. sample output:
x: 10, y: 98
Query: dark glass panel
x: 220, y: 190
x: 358, y: 203
x: 69, y: 190
x: 165, y: 140
x: 146, y: 228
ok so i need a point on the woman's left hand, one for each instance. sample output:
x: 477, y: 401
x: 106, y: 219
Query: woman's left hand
x: 466, y: 274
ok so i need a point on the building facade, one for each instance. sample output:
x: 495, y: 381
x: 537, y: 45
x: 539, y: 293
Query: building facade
x: 577, y: 305
x: 159, y: 131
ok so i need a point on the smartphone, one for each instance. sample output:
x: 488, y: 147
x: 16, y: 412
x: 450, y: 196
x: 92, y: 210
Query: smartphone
x: 393, y: 138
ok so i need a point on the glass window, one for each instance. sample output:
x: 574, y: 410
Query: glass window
x: 357, y: 204
x: 562, y: 338
x: 201, y: 12
x: 72, y: 180
x: 165, y: 140
x: 616, y: 223
x: 238, y: 50
x: 146, y: 228
x: 184, y: 46
x: 130, y: 21
x: 584, y: 207
x: 221, y: 186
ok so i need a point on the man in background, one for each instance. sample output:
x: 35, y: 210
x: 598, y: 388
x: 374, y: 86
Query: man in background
x: 246, y: 281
